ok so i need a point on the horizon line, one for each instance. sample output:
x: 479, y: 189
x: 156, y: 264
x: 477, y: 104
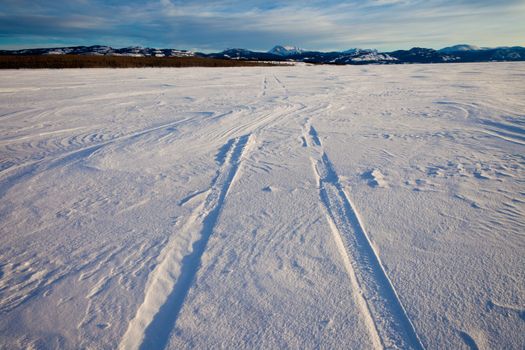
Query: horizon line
x: 197, y: 50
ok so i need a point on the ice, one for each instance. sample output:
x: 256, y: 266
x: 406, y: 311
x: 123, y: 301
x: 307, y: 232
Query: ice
x: 263, y: 207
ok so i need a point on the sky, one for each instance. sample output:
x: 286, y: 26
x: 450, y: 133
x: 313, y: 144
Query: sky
x: 214, y: 25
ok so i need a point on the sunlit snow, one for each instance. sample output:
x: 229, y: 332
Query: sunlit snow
x: 273, y: 207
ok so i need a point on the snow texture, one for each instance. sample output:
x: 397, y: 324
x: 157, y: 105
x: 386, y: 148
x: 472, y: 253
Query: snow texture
x: 377, y: 207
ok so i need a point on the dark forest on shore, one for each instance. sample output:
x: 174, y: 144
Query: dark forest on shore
x: 80, y: 61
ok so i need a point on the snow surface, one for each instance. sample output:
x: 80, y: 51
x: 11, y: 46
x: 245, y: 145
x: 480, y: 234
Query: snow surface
x: 288, y: 207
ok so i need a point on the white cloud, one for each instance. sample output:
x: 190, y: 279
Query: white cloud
x: 258, y: 24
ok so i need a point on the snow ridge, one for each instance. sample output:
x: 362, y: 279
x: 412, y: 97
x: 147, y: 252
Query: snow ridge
x: 180, y: 261
x: 385, y: 316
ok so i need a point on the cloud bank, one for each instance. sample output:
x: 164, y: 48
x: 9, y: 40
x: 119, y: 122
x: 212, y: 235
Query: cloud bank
x: 254, y: 24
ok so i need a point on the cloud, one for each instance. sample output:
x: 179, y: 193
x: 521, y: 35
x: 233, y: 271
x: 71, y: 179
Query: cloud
x: 257, y: 24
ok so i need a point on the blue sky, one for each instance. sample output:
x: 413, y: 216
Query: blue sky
x: 207, y: 25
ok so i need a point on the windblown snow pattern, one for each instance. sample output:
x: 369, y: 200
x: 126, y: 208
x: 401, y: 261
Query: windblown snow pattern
x: 303, y: 207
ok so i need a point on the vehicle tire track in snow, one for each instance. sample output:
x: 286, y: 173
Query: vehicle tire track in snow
x: 282, y: 86
x: 180, y: 261
x: 264, y: 119
x: 264, y: 87
x: 385, y: 316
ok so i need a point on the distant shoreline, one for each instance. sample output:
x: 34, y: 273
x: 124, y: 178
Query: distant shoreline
x: 80, y: 61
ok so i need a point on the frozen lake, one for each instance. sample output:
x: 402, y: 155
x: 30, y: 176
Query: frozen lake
x: 286, y: 207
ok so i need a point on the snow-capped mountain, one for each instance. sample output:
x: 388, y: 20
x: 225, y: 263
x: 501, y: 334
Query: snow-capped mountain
x: 457, y: 53
x: 422, y: 55
x: 373, y: 56
x: 286, y: 50
x: 242, y: 54
x: 460, y: 48
x: 356, y: 51
x: 469, y: 53
x: 99, y: 50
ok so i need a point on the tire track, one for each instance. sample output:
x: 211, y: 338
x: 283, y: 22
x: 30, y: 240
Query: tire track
x: 87, y: 143
x: 180, y: 261
x: 282, y: 86
x: 264, y: 87
x: 260, y: 119
x: 386, y: 318
x: 258, y: 116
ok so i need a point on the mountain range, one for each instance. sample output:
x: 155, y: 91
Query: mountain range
x: 457, y: 53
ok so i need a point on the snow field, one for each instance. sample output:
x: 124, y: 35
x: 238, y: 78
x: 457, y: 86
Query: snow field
x: 286, y: 207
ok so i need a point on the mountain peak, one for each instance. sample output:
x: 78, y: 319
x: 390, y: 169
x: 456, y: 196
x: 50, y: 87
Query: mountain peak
x: 287, y: 50
x: 460, y: 47
x: 356, y: 51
